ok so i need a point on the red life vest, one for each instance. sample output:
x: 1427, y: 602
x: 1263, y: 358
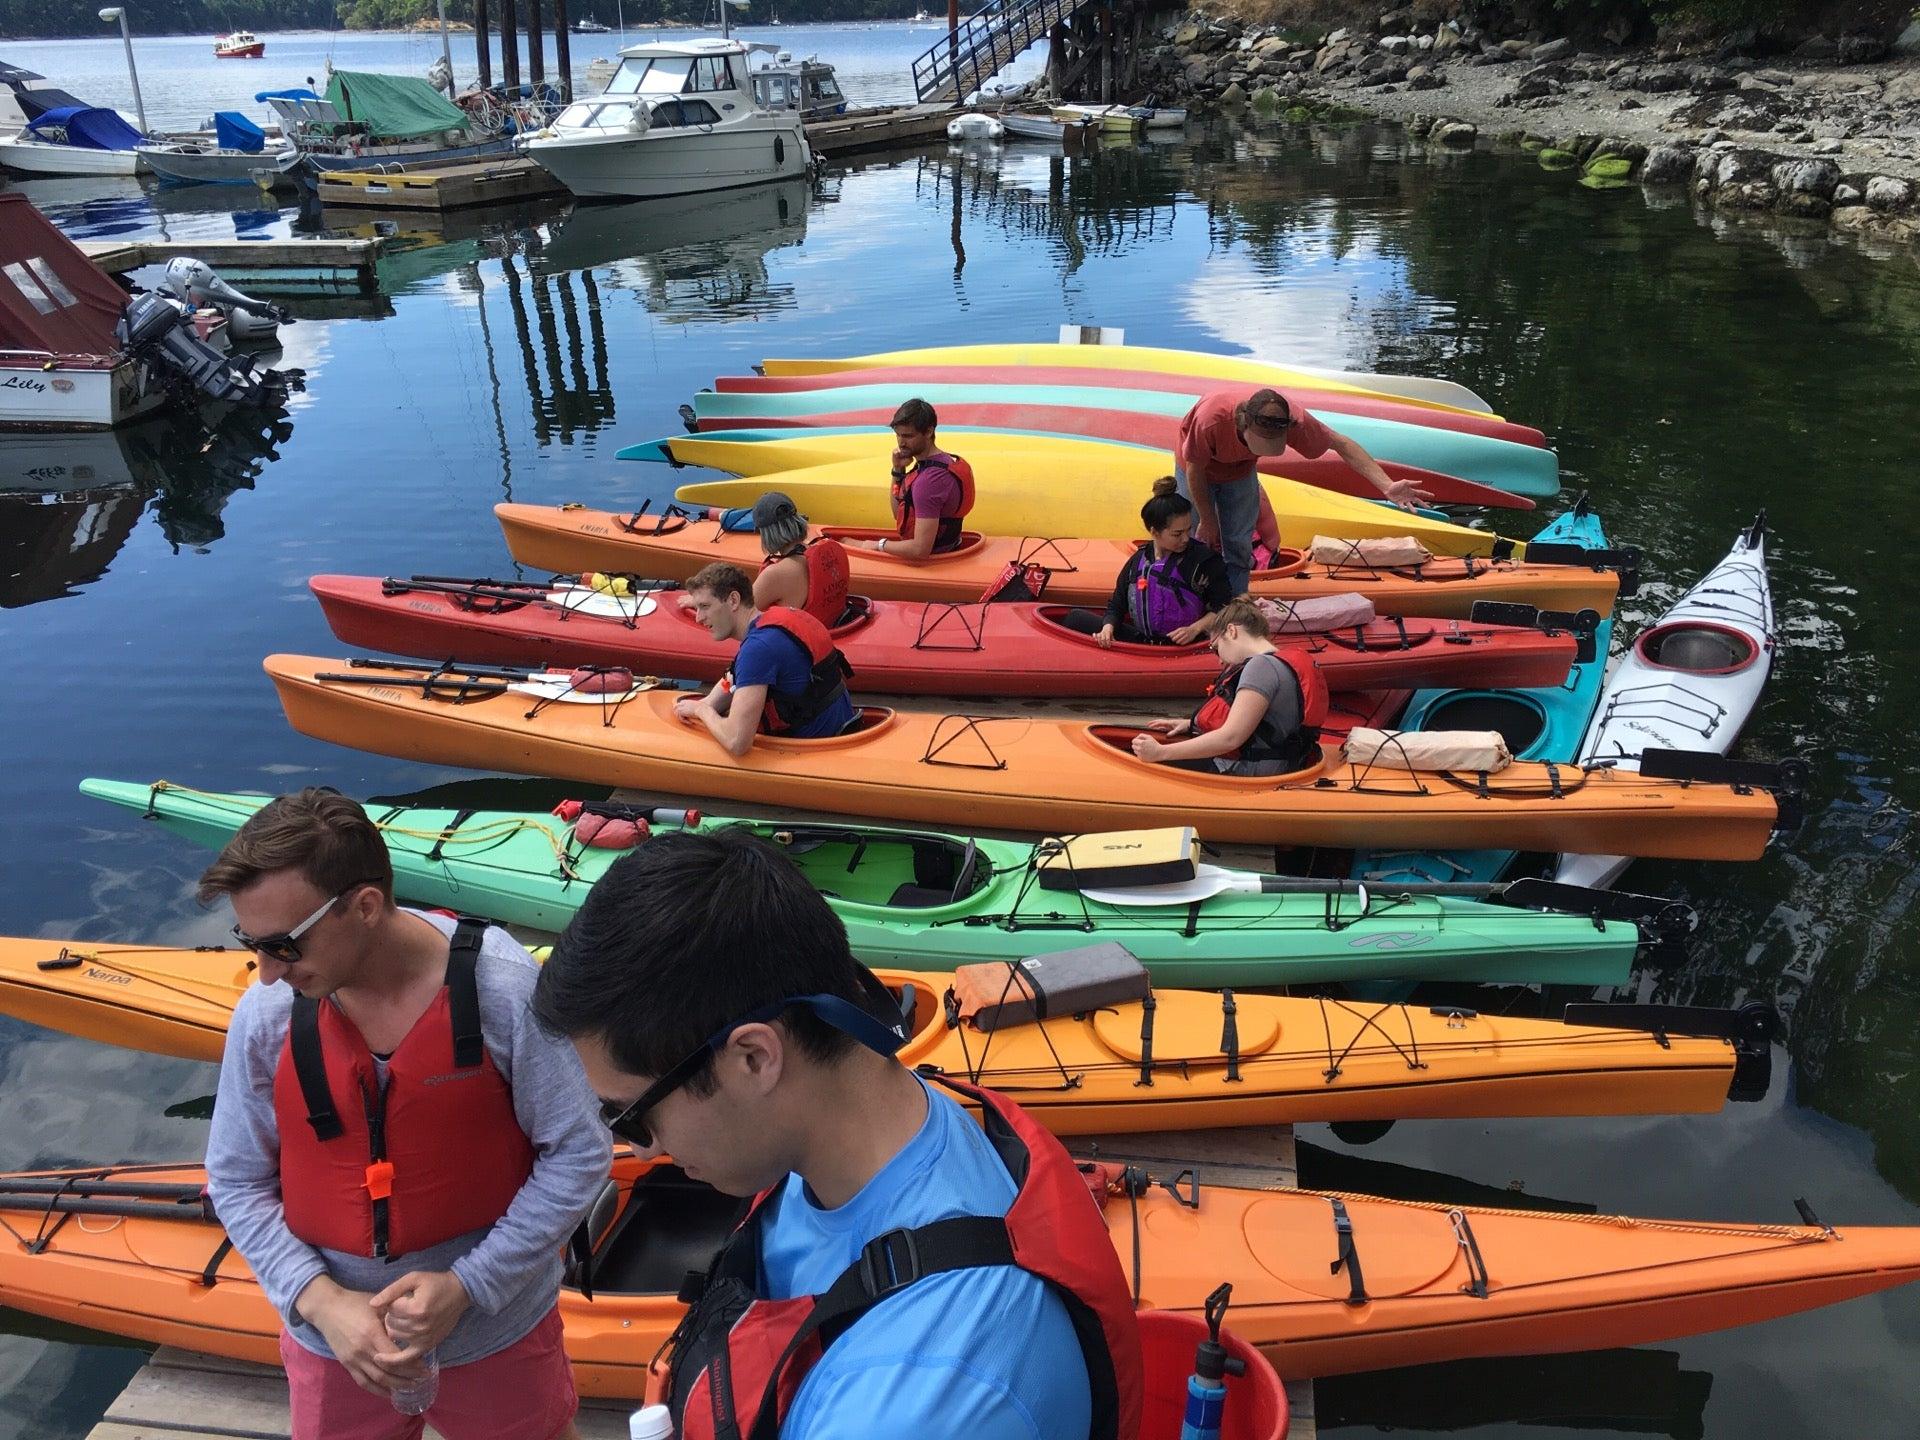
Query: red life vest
x: 438, y: 1153
x: 827, y: 577
x: 1268, y: 741
x: 756, y: 1351
x: 948, y: 536
x: 786, y: 712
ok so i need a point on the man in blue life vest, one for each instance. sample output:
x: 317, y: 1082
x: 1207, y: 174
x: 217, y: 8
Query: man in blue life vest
x: 787, y: 678
x: 386, y: 1212
x: 931, y: 491
x: 874, y: 1288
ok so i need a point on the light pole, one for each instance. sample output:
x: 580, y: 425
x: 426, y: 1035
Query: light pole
x: 111, y: 14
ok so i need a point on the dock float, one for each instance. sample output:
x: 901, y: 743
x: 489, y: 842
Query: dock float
x: 293, y: 252
x: 877, y: 129
x: 501, y: 181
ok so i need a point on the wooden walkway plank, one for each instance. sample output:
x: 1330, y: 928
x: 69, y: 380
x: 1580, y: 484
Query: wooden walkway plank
x: 300, y: 252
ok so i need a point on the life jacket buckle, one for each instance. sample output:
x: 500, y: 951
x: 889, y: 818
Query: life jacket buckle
x: 881, y: 1269
x: 380, y: 1180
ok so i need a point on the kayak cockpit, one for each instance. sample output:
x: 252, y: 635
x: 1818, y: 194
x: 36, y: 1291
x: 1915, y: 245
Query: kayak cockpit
x: 1518, y: 717
x: 1697, y: 647
x: 893, y: 870
x: 648, y: 1239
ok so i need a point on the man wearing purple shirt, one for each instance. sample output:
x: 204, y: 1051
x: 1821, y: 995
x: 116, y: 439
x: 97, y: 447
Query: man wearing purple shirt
x: 932, y: 490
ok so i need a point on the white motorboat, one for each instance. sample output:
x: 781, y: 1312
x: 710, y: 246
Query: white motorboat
x: 679, y: 117
x: 25, y: 94
x: 74, y: 140
x: 974, y: 127
x: 591, y: 27
x: 239, y: 155
x: 1025, y: 125
x: 1689, y: 682
x: 808, y: 86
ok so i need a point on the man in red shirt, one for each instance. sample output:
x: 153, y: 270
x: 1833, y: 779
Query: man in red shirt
x: 1215, y: 464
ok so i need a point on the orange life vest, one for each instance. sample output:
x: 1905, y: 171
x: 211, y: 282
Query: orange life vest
x: 901, y: 496
x: 827, y: 577
x: 787, y: 712
x: 1268, y: 741
x: 438, y: 1153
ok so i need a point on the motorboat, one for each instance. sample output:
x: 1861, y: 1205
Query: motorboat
x: 74, y: 140
x: 239, y: 155
x: 1026, y: 125
x: 807, y: 85
x: 25, y: 94
x: 78, y: 353
x: 679, y: 117
x: 1108, y: 119
x: 240, y: 45
x: 367, y: 120
x: 591, y: 27
x: 974, y: 127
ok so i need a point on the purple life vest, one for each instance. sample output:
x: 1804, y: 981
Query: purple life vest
x: 1161, y: 600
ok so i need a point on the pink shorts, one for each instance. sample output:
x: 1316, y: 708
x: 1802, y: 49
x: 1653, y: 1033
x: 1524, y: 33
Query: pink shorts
x: 524, y: 1392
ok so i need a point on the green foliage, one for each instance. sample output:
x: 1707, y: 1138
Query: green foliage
x: 37, y: 18
x: 1551, y: 159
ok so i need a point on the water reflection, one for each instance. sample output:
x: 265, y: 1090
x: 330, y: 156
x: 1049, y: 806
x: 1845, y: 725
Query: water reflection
x: 68, y: 503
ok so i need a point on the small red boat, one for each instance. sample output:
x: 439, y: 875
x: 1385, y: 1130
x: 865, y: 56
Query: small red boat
x: 910, y: 647
x: 240, y: 45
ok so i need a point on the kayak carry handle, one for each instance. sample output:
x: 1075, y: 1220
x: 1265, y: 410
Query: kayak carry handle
x: 1756, y: 532
x: 1668, y: 919
x: 1625, y: 559
x: 1581, y: 624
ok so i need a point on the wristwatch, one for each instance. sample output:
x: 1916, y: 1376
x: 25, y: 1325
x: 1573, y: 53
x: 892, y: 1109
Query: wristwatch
x: 882, y: 545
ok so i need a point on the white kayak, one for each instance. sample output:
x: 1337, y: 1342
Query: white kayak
x: 1688, y: 683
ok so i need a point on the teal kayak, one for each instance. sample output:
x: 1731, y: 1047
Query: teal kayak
x: 1539, y: 725
x: 1089, y: 410
x: 927, y: 901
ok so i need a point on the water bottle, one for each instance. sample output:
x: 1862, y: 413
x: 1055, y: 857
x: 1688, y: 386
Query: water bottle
x: 650, y: 1422
x: 416, y: 1397
x: 1207, y: 1386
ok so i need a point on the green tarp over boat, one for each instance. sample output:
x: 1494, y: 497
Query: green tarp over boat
x: 397, y: 107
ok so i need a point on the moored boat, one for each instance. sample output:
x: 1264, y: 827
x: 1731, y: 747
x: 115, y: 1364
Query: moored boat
x: 240, y: 45
x: 74, y: 140
x: 239, y: 155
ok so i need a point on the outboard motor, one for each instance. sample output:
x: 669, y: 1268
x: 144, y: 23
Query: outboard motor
x: 195, y: 283
x: 159, y: 330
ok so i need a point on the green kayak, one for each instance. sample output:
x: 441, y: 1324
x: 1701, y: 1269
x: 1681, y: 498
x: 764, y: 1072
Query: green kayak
x: 926, y: 901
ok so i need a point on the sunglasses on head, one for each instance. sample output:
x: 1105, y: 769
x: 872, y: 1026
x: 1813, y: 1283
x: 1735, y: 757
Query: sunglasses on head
x: 285, y: 947
x: 629, y: 1120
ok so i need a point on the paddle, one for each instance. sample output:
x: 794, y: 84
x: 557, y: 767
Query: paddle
x: 1668, y: 916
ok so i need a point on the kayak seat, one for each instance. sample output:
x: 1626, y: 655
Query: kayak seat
x: 943, y: 874
x: 1699, y: 649
x: 671, y: 1227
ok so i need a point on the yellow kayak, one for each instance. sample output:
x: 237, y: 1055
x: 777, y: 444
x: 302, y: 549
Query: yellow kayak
x: 1413, y: 389
x: 1056, y: 488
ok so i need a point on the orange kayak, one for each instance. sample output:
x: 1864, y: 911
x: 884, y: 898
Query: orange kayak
x: 570, y: 539
x: 1440, y: 1283
x: 1021, y: 773
x: 1118, y: 1069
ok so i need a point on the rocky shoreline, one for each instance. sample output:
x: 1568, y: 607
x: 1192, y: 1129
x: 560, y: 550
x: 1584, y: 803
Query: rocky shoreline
x: 1830, y: 133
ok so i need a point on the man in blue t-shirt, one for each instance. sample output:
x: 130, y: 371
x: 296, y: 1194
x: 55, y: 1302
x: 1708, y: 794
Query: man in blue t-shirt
x: 778, y: 684
x: 665, y: 980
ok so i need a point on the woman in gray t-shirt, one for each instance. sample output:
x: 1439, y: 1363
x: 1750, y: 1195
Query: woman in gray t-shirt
x: 1262, y: 730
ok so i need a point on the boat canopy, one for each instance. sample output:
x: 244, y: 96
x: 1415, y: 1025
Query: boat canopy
x: 17, y: 74
x: 88, y: 128
x: 396, y: 107
x: 52, y: 297
x: 234, y: 131
x: 696, y: 49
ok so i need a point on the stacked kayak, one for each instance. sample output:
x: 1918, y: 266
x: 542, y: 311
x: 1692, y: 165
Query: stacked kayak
x: 1690, y: 680
x: 929, y: 901
x: 1416, y: 389
x: 1060, y: 487
x: 1431, y: 454
x: 1413, y: 1284
x: 674, y: 546
x: 909, y: 647
x: 1016, y: 772
x: 1539, y: 723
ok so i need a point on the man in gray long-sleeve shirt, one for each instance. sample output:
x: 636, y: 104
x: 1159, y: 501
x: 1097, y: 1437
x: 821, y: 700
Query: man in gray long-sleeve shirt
x: 427, y: 1211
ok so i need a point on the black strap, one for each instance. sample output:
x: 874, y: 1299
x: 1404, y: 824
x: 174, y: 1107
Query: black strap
x: 374, y: 1101
x: 463, y: 991
x: 887, y: 1265
x: 1349, y: 1256
x: 210, y: 1272
x: 1230, y: 1033
x: 310, y: 1069
x: 460, y: 817
x: 1032, y: 981
x: 1147, y: 1006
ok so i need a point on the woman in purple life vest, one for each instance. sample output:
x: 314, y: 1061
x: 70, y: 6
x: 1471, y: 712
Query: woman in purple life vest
x: 1171, y: 589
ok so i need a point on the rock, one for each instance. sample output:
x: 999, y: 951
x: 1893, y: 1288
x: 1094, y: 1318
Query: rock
x: 1453, y: 132
x: 1903, y: 89
x: 1552, y: 50
x: 1582, y: 146
x: 1829, y: 146
x: 1608, y: 167
x: 1266, y: 99
x: 1337, y: 36
x: 1629, y: 103
x: 1816, y: 47
x: 1889, y: 192
x: 1619, y: 30
x: 1233, y: 96
x: 1660, y: 81
x: 1516, y: 48
x: 1713, y: 137
x: 1845, y: 194
x: 1802, y: 206
x: 1446, y: 39
x: 1552, y: 159
x: 1270, y: 45
x: 1197, y: 72
x: 1818, y: 178
x: 1705, y: 81
x: 1531, y: 88
x: 1393, y: 44
x: 1186, y: 35
x: 1862, y: 49
x: 1425, y: 77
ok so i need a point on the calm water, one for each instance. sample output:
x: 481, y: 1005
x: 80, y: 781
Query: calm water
x: 1689, y: 379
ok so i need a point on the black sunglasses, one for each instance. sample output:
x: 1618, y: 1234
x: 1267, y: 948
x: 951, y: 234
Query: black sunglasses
x: 629, y: 1121
x: 1271, y: 424
x: 285, y: 947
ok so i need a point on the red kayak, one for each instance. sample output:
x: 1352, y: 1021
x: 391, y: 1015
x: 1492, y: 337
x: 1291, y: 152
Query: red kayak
x: 907, y: 647
x: 1329, y: 471
x: 1332, y: 402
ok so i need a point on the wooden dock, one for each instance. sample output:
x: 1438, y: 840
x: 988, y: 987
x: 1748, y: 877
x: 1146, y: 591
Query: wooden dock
x: 295, y: 252
x: 878, y: 129
x: 440, y: 187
